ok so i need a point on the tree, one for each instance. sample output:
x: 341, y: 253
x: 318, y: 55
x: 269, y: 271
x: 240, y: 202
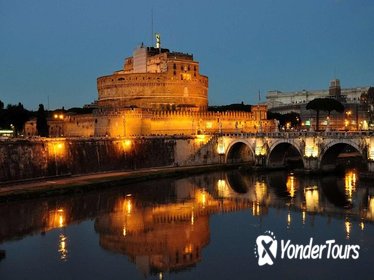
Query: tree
x: 16, y: 115
x: 232, y: 107
x: 324, y: 104
x: 41, y: 122
x: 1, y: 105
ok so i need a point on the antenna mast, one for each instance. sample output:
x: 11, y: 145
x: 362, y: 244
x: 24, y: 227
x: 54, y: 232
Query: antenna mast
x: 151, y: 26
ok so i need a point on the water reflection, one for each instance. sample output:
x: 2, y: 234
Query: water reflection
x: 164, y: 226
x: 311, y: 196
x: 292, y: 185
x: 62, y: 248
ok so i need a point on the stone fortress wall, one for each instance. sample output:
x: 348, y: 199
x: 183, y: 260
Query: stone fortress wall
x: 137, y: 122
x: 158, y: 92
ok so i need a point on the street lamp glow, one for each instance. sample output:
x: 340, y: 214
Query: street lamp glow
x: 221, y: 149
x: 126, y: 144
x: 311, y: 148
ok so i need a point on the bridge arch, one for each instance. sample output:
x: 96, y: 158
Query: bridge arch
x: 336, y: 149
x: 282, y: 153
x: 239, y: 151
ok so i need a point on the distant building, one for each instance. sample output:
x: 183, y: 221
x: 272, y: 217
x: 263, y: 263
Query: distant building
x: 355, y: 117
x: 286, y: 102
x: 30, y: 128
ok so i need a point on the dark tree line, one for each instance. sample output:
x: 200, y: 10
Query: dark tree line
x: 15, y: 117
x: 41, y: 121
x: 326, y: 105
x: 292, y: 118
x: 232, y: 107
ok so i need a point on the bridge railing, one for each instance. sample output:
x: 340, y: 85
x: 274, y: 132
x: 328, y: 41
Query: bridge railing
x: 297, y: 134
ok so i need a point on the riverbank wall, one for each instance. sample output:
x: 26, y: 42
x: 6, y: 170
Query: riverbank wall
x: 22, y: 159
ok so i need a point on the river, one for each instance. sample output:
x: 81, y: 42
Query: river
x: 222, y: 225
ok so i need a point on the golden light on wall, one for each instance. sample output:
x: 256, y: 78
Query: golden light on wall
x: 126, y: 145
x: 311, y: 198
x: 260, y: 149
x: 220, y: 147
x: 346, y: 123
x: 201, y: 139
x: 186, y: 76
x: 311, y: 147
x: 365, y: 125
x: 56, y: 148
x: 209, y: 125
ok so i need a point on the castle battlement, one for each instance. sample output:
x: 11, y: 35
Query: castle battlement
x: 158, y: 92
x: 157, y: 79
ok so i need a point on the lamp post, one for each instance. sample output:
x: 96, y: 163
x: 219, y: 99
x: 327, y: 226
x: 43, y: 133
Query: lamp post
x: 12, y: 128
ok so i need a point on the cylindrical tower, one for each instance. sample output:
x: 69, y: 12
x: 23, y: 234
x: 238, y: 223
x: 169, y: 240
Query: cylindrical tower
x: 157, y: 79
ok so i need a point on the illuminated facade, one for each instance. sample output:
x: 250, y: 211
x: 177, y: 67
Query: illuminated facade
x: 157, y: 92
x: 155, y: 78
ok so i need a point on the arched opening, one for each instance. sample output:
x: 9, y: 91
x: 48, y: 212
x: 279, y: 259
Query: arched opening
x: 342, y: 156
x: 285, y: 155
x: 239, y: 152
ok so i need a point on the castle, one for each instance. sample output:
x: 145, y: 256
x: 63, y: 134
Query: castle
x: 157, y: 92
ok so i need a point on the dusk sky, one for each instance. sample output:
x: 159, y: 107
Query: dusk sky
x: 58, y: 48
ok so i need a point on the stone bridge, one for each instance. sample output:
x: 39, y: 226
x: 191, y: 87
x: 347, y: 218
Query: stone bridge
x: 314, y: 150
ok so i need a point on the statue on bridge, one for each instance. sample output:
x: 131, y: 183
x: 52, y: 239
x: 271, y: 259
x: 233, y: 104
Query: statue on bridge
x: 276, y: 125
